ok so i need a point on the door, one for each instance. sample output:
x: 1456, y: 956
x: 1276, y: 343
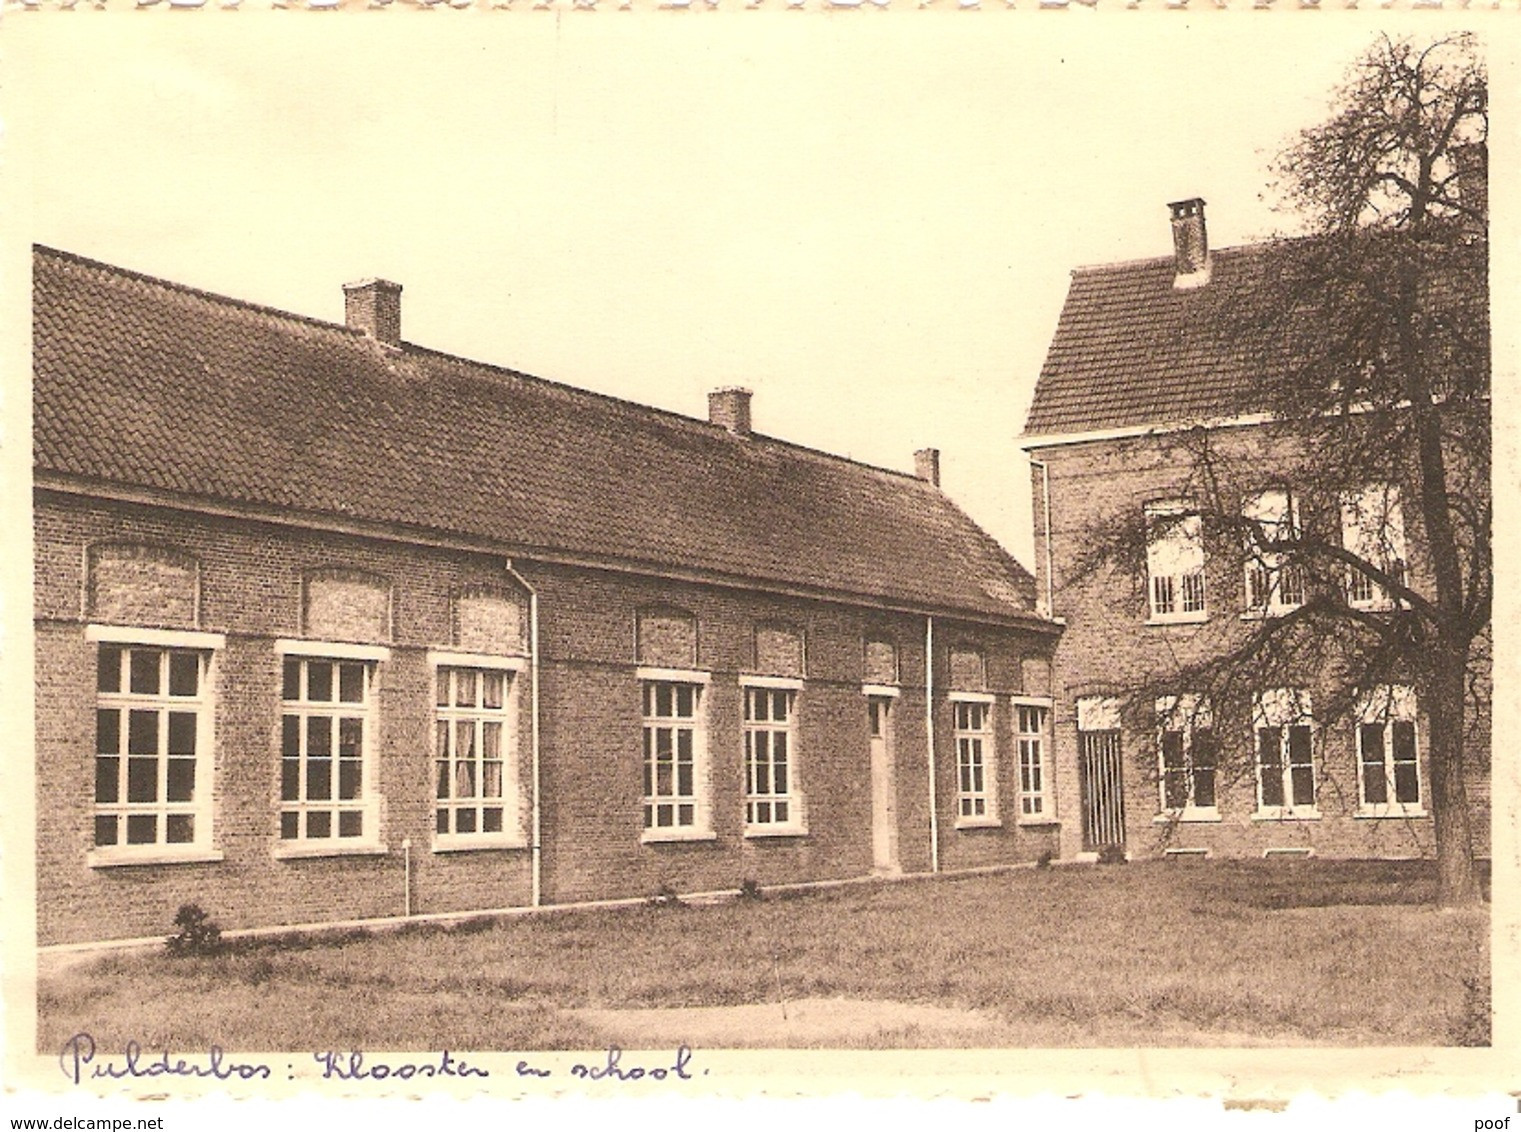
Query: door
x: 1103, y: 789
x: 884, y: 793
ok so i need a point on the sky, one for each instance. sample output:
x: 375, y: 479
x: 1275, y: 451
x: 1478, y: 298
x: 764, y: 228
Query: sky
x: 867, y: 217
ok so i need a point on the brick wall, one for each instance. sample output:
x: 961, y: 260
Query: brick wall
x: 256, y: 586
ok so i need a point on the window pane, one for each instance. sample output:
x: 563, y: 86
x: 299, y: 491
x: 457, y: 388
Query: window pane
x: 464, y: 779
x: 142, y: 733
x: 441, y: 822
x: 664, y: 696
x: 350, y: 737
x: 319, y: 779
x: 290, y: 779
x: 1375, y: 784
x: 686, y: 700
x: 319, y: 736
x: 351, y: 824
x: 319, y: 680
x: 491, y: 780
x: 142, y: 780
x: 466, y: 819
x: 1303, y: 781
x: 319, y: 824
x: 351, y: 683
x: 181, y: 786
x: 1407, y: 787
x: 108, y: 731
x: 441, y: 697
x: 181, y: 733
x: 349, y: 778
x: 684, y: 780
x: 491, y: 740
x: 289, y: 825
x: 181, y: 829
x: 144, y: 676
x: 142, y: 829
x: 105, y: 829
x: 290, y: 679
x: 107, y: 773
x: 290, y: 736
x: 441, y: 788
x: 493, y: 687
x: 184, y: 673
x: 491, y: 820
x: 464, y: 687
x: 108, y: 670
x: 1270, y: 760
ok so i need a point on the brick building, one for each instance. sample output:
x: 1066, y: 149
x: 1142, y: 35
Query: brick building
x: 330, y: 626
x: 1142, y: 375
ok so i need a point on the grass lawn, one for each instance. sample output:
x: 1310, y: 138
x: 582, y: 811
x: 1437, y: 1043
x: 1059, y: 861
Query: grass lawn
x: 1151, y: 953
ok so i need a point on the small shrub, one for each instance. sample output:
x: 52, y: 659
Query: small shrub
x: 1044, y: 860
x: 750, y: 889
x: 198, y: 934
x: 1473, y: 1028
x: 1112, y: 855
x: 665, y: 897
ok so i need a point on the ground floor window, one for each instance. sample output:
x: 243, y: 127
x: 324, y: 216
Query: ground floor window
x: 474, y: 764
x: 771, y: 801
x: 1034, y: 780
x: 326, y: 750
x: 1188, y: 756
x: 972, y: 723
x: 1389, y: 779
x: 1283, y: 729
x: 153, y: 727
x: 675, y: 789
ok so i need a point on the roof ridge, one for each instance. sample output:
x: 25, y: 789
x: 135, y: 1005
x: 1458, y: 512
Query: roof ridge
x: 637, y: 407
x: 1143, y: 261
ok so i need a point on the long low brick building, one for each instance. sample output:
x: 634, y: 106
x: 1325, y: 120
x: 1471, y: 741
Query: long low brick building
x: 330, y: 627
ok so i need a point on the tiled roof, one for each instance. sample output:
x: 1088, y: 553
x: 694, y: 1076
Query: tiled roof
x: 1130, y: 349
x: 151, y: 385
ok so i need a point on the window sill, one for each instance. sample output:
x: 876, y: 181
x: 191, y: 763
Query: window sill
x: 776, y: 831
x: 660, y: 836
x: 1193, y: 814
x: 1382, y: 813
x: 1038, y: 819
x: 297, y: 850
x: 115, y: 857
x: 1182, y: 619
x: 469, y: 844
x: 979, y: 823
x: 1272, y: 613
x: 1286, y: 815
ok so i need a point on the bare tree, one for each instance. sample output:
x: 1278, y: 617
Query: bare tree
x: 1357, y: 518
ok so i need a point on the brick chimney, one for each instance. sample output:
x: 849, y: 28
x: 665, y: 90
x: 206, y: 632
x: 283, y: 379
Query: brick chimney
x: 374, y: 306
x: 1190, y: 243
x: 729, y: 408
x: 927, y: 465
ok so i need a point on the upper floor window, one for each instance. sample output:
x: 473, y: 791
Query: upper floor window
x: 675, y: 754
x: 772, y: 801
x: 976, y: 767
x: 328, y: 791
x: 475, y: 780
x: 1175, y: 562
x: 1284, y: 733
x: 153, y: 744
x: 1274, y: 584
x: 1389, y: 778
x: 1188, y: 756
x: 1373, y: 528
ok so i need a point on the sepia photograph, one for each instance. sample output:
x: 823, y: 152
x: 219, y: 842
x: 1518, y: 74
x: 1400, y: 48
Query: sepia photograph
x: 570, y: 547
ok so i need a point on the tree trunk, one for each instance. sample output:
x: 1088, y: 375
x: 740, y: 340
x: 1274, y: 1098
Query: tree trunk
x: 1457, y: 880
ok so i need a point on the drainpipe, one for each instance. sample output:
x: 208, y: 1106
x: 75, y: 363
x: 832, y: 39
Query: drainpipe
x: 1045, y: 499
x: 929, y: 731
x: 535, y: 848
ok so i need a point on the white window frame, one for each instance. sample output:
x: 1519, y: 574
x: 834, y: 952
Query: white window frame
x: 700, y: 828
x: 1283, y: 711
x: 1373, y: 528
x: 200, y: 807
x: 1186, y: 715
x: 763, y: 734
x: 1387, y: 706
x: 1176, y: 591
x: 1037, y: 797
x: 976, y: 760
x: 1272, y: 585
x: 478, y: 716
x: 305, y: 653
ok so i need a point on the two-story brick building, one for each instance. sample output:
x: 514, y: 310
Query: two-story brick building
x: 1144, y: 400
x: 331, y: 627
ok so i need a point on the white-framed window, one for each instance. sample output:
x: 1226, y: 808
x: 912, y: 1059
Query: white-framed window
x: 976, y: 765
x: 1188, y: 757
x: 1373, y: 528
x: 1274, y: 585
x: 773, y: 802
x: 153, y: 744
x: 1031, y: 720
x: 1175, y: 562
x: 1388, y: 760
x: 1283, y: 738
x: 328, y: 791
x: 475, y: 751
x: 675, y: 754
